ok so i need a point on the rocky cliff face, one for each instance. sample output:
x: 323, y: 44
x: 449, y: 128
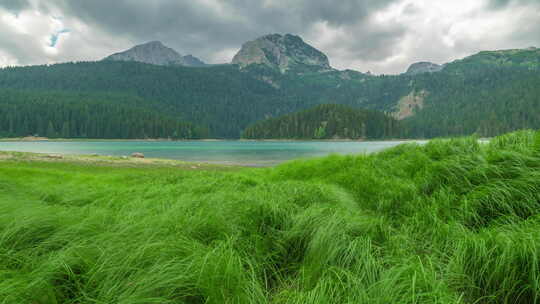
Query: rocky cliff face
x: 155, y: 53
x: 423, y: 67
x: 408, y: 105
x: 286, y: 53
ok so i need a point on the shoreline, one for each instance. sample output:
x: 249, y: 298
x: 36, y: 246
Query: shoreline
x: 116, y: 161
x: 44, y: 139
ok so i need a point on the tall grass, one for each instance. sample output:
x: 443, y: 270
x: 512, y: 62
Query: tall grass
x: 454, y: 221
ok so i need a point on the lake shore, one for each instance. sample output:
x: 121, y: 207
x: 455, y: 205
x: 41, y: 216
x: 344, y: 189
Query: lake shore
x: 40, y: 139
x: 237, y: 152
x: 115, y: 161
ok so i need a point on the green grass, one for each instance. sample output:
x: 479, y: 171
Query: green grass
x: 454, y: 221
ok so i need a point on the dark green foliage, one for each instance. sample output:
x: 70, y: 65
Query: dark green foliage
x: 486, y: 94
x: 81, y: 115
x: 220, y: 99
x: 348, y: 87
x: 326, y: 122
x: 453, y: 221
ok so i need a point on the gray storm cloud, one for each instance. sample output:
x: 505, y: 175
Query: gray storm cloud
x: 383, y: 36
x: 15, y: 5
x: 500, y: 4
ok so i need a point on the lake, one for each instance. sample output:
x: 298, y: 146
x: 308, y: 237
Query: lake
x: 256, y: 153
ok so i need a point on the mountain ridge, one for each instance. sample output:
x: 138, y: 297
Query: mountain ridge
x: 155, y: 52
x: 485, y: 93
x: 283, y: 53
x: 423, y: 67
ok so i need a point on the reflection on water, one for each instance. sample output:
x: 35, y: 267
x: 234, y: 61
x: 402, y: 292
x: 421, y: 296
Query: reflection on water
x: 225, y: 152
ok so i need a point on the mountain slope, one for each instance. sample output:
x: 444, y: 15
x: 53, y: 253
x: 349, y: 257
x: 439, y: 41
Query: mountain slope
x: 155, y: 53
x: 517, y: 58
x: 220, y: 98
x: 487, y: 102
x: 488, y: 93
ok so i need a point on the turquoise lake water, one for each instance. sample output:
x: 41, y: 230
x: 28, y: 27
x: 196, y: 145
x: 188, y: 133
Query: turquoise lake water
x: 257, y: 153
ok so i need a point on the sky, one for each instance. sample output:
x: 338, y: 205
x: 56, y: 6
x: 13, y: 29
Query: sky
x: 380, y: 36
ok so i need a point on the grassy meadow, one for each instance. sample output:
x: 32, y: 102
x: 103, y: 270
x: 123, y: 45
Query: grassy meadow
x: 453, y: 221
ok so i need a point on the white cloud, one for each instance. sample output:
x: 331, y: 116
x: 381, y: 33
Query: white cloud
x: 224, y: 55
x: 440, y: 32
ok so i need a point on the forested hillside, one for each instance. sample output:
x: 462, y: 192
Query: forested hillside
x: 221, y: 98
x: 80, y: 115
x: 327, y: 121
x: 337, y: 87
x: 487, y: 94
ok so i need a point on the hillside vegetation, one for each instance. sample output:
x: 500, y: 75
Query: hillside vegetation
x: 85, y: 115
x: 486, y: 94
x: 326, y: 122
x: 207, y: 97
x: 453, y: 221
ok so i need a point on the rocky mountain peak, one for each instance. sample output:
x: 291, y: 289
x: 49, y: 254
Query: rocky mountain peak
x: 282, y: 52
x: 423, y: 67
x: 155, y: 52
x: 193, y: 61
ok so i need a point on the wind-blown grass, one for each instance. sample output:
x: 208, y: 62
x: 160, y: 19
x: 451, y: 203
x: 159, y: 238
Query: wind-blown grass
x: 454, y: 221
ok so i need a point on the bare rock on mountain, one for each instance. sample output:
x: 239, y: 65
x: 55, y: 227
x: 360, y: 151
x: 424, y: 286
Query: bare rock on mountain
x: 284, y: 53
x: 156, y: 53
x: 408, y: 105
x: 424, y: 67
x: 193, y: 61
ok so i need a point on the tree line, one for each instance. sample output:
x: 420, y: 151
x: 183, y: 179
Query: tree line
x: 65, y: 115
x: 327, y: 121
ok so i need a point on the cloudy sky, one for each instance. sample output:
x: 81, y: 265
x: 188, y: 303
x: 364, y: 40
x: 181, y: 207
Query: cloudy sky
x: 381, y: 36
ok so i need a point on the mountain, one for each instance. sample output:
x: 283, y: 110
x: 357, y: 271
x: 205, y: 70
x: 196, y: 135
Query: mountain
x: 155, y: 53
x: 192, y: 61
x: 423, y: 67
x: 221, y: 99
x: 284, y: 53
x: 327, y: 121
x: 488, y: 93
x: 518, y: 58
